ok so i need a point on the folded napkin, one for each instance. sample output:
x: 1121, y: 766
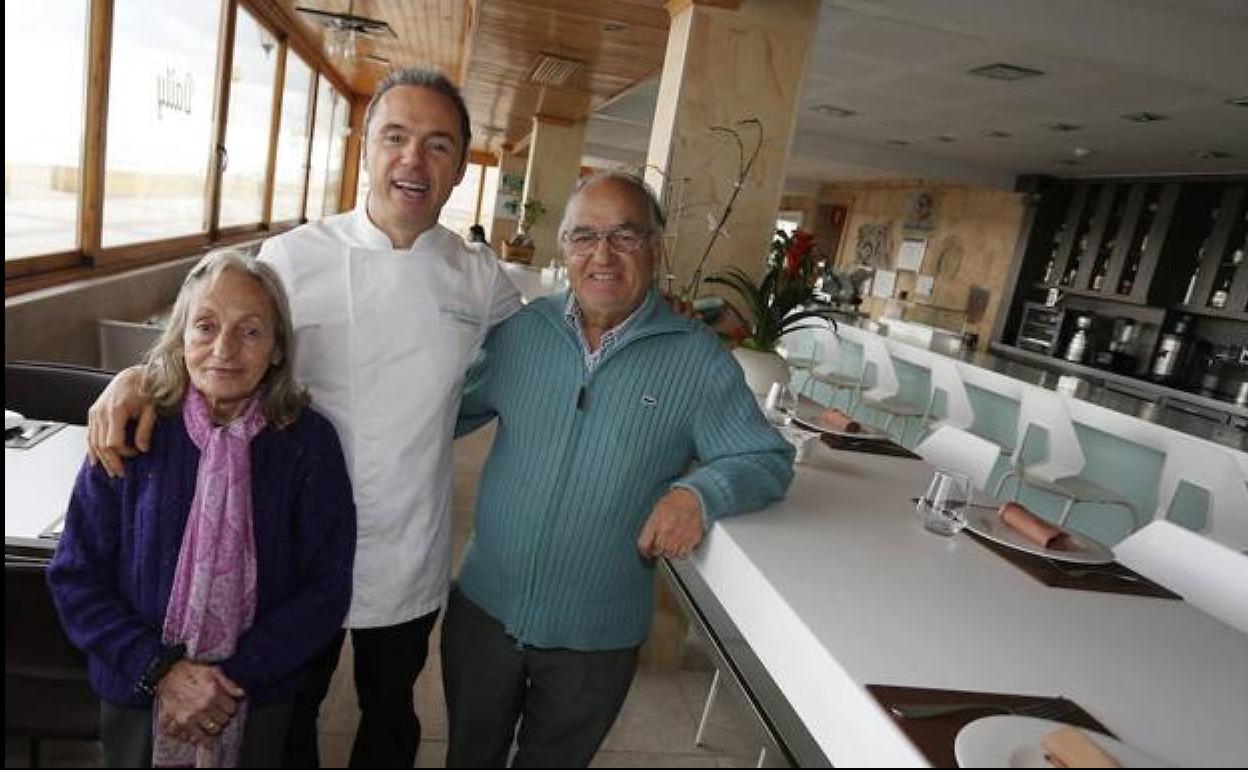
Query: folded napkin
x: 1034, y: 528
x: 835, y: 419
x: 1070, y: 747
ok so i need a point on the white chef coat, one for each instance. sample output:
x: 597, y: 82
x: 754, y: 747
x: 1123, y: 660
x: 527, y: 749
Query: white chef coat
x: 384, y: 338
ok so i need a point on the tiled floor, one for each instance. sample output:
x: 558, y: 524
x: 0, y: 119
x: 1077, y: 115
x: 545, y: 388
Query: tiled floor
x: 655, y: 729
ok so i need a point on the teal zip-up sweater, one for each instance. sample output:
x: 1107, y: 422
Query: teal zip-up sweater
x: 580, y: 459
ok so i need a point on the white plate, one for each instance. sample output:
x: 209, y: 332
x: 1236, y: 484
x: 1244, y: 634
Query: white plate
x: 986, y: 522
x: 806, y: 419
x: 1009, y: 741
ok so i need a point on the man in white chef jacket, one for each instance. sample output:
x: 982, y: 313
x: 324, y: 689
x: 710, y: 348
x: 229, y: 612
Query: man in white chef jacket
x: 389, y: 309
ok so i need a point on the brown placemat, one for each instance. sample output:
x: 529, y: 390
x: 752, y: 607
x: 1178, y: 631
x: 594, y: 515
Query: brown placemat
x: 934, y: 736
x: 871, y: 445
x: 1092, y: 577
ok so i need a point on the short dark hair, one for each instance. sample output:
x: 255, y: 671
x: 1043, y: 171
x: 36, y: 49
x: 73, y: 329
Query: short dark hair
x: 656, y: 222
x: 422, y: 78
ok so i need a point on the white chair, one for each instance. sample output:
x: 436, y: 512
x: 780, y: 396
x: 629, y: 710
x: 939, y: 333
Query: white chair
x: 961, y: 451
x: 832, y: 372
x: 947, y: 380
x: 1206, y: 573
x: 1058, y: 473
x: 883, y: 395
x: 1213, y: 470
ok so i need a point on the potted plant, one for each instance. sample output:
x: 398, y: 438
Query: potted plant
x: 520, y: 248
x: 776, y: 306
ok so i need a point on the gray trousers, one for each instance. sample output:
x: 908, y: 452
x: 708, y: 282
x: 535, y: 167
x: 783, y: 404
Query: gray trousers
x: 564, y: 700
x: 127, y: 736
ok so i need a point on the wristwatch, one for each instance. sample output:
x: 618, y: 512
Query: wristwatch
x: 157, y: 669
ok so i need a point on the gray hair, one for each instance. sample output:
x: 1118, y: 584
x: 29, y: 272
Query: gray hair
x: 655, y: 221
x: 422, y: 78
x: 165, y: 377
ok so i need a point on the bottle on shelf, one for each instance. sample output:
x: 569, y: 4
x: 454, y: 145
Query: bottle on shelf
x: 1140, y: 243
x: 1054, y: 247
x: 1099, y: 278
x: 1226, y: 277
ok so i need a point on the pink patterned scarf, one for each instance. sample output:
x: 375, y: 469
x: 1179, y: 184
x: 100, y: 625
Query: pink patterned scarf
x: 214, y: 586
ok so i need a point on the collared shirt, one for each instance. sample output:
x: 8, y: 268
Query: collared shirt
x: 572, y: 314
x: 384, y: 339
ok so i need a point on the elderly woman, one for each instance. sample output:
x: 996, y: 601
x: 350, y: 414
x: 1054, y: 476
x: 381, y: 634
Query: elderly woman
x: 203, y: 582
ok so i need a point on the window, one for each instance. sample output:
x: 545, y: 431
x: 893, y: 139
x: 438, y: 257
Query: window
x: 160, y: 109
x: 328, y: 138
x: 789, y: 221
x: 42, y: 127
x: 247, y: 126
x: 460, y: 211
x: 292, y: 141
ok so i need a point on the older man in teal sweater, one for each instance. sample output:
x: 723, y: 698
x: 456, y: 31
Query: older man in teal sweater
x: 624, y: 431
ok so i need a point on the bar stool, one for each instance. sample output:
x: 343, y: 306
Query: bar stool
x: 883, y: 396
x: 1215, y: 472
x: 1058, y: 473
x: 831, y: 373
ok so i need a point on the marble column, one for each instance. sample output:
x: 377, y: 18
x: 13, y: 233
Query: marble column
x: 555, y: 149
x: 739, y: 67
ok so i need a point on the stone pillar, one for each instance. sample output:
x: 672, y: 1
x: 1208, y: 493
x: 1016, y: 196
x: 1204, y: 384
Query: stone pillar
x: 555, y: 149
x: 725, y: 65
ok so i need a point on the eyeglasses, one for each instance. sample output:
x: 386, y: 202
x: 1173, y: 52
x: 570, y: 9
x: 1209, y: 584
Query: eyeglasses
x: 583, y: 241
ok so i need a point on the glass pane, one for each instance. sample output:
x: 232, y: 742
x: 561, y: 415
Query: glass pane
x: 459, y: 212
x: 328, y: 140
x: 488, y: 201
x: 361, y: 180
x: 159, y: 119
x: 337, y: 154
x: 247, y: 128
x: 42, y: 135
x: 292, y: 142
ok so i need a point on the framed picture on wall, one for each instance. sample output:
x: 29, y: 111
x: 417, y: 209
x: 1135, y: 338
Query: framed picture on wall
x: 837, y: 219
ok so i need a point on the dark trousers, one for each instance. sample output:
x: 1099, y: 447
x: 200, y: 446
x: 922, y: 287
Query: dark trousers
x: 565, y: 700
x: 126, y: 735
x: 387, y: 661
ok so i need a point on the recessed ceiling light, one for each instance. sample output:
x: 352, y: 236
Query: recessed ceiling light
x: 1068, y: 162
x: 946, y: 138
x: 1002, y: 71
x: 1211, y: 154
x: 1081, y: 152
x: 994, y: 134
x: 899, y: 142
x: 1238, y: 101
x: 833, y: 112
x: 1144, y: 117
x: 1064, y: 127
x: 614, y: 26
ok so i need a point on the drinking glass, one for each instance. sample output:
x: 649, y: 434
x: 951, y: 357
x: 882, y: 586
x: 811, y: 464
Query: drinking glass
x: 943, y: 506
x: 781, y: 403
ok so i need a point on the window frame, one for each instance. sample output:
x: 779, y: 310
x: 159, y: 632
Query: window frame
x: 90, y: 259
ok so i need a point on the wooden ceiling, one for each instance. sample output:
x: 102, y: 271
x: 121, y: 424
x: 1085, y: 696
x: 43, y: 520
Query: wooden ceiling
x: 490, y: 47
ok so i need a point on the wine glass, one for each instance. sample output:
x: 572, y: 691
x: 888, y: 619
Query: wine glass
x: 943, y: 506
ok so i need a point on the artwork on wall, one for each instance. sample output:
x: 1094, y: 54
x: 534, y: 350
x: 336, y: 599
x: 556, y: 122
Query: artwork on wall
x: 949, y: 256
x: 874, y: 244
x: 510, y: 191
x: 920, y: 211
x: 883, y: 284
x: 838, y: 218
x: 910, y: 257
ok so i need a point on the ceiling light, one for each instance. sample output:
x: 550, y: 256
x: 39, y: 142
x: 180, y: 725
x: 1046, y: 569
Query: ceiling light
x: 899, y: 142
x: 1064, y: 127
x: 994, y: 134
x: 1002, y: 71
x: 552, y: 70
x: 343, y: 29
x: 614, y: 26
x: 1081, y: 152
x: 1211, y: 154
x: 1238, y: 101
x: 833, y: 112
x: 946, y: 138
x: 1068, y: 162
x: 1144, y: 117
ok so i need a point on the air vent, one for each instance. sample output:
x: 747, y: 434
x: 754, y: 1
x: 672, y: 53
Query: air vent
x: 1002, y: 71
x: 551, y: 70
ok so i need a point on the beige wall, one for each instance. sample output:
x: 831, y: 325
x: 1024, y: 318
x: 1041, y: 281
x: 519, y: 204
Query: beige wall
x: 60, y: 324
x: 984, y: 222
